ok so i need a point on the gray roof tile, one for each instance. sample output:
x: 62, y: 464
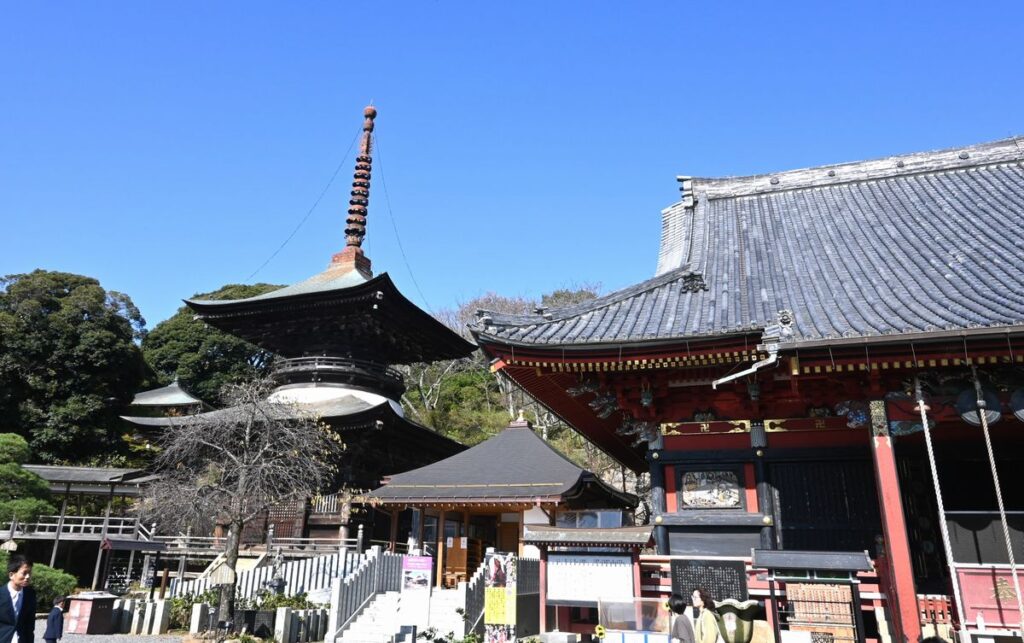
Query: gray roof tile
x: 916, y: 243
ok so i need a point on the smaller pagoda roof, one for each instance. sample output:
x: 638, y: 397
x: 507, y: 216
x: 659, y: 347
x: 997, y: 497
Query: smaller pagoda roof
x: 565, y: 536
x: 514, y: 466
x: 170, y: 395
x: 343, y: 412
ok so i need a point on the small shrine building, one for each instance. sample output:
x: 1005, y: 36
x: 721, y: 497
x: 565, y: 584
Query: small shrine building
x: 488, y: 494
x: 826, y: 360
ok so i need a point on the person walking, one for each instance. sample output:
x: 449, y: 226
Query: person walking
x: 705, y: 626
x: 18, y: 603
x: 682, y: 629
x: 55, y: 622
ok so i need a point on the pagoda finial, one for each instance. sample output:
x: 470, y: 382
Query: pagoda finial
x: 355, y: 228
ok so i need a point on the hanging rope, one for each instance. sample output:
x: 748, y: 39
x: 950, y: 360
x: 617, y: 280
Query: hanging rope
x: 999, y: 494
x: 943, y: 528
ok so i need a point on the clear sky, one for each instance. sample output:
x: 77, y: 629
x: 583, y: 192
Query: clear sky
x: 170, y: 148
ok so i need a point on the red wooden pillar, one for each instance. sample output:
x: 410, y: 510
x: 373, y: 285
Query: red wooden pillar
x: 899, y: 585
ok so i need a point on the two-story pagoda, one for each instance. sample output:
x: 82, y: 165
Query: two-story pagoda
x: 335, y: 338
x: 762, y: 377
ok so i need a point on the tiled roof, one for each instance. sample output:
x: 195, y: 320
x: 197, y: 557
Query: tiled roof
x: 875, y: 249
x: 515, y: 465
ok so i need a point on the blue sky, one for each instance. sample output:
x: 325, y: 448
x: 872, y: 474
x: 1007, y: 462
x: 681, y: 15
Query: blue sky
x: 170, y: 148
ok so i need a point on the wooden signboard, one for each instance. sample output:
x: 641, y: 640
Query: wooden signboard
x: 723, y: 578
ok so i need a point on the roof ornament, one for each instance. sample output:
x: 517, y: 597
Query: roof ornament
x: 355, y: 224
x: 355, y: 228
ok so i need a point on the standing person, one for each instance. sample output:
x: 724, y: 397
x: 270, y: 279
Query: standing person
x: 705, y: 627
x: 18, y: 603
x: 55, y: 622
x: 682, y: 630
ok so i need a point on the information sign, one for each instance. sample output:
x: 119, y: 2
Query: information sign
x: 587, y: 578
x: 723, y: 578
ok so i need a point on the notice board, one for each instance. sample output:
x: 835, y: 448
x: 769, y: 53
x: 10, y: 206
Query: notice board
x: 723, y: 578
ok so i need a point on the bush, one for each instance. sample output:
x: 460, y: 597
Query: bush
x: 48, y: 582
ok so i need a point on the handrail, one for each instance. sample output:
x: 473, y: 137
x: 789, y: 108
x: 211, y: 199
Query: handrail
x: 325, y: 363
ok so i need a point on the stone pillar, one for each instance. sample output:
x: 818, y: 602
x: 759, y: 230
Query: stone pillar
x: 283, y: 625
x: 200, y: 617
x: 899, y: 588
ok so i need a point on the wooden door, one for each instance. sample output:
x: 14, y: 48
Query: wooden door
x: 508, y: 537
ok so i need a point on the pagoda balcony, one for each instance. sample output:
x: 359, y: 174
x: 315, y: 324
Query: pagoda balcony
x: 362, y: 374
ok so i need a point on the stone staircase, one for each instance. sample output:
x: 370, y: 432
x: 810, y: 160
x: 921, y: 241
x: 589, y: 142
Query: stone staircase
x: 378, y: 622
x: 444, y: 611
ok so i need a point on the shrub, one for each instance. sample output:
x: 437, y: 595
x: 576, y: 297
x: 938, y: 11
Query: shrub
x: 48, y: 582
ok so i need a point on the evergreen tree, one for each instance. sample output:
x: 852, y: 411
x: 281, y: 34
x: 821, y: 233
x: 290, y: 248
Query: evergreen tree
x: 68, y: 363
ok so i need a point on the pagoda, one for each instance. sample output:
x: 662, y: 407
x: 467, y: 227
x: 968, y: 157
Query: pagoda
x: 335, y: 338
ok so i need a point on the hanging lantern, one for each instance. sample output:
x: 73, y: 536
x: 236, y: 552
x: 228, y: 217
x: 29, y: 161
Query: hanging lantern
x: 1017, y: 403
x: 967, y: 406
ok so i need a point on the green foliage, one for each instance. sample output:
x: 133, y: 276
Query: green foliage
x: 13, y: 448
x: 68, y: 362
x: 48, y: 582
x: 181, y: 607
x: 203, y: 358
x: 23, y: 494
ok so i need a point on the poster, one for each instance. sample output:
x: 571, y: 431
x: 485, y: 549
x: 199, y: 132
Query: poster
x: 416, y: 572
x: 414, y: 608
x: 500, y: 598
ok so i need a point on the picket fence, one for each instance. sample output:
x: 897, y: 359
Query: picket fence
x: 304, y: 575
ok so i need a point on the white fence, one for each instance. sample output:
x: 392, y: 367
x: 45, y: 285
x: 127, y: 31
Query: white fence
x: 305, y: 575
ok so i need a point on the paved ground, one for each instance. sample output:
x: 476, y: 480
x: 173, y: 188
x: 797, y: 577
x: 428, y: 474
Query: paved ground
x: 105, y: 638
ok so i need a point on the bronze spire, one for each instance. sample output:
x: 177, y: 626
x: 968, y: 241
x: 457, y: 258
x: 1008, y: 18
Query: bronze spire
x: 352, y: 256
x: 355, y: 229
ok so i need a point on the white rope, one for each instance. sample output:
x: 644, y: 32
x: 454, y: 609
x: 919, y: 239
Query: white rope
x: 943, y: 528
x: 999, y: 495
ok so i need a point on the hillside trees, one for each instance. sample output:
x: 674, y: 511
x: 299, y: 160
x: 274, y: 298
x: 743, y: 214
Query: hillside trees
x: 24, y: 496
x: 203, y: 358
x: 68, y: 362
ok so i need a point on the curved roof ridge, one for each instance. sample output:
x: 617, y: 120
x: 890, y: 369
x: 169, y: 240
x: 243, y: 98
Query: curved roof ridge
x: 589, y: 306
x: 1006, y: 150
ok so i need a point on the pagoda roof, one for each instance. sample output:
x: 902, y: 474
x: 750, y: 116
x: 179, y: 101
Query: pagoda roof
x: 339, y: 313
x: 170, y: 395
x: 343, y: 413
x: 514, y: 466
x: 905, y: 247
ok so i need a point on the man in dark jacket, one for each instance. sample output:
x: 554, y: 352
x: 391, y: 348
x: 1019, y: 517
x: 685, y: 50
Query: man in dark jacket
x: 55, y: 622
x: 18, y: 602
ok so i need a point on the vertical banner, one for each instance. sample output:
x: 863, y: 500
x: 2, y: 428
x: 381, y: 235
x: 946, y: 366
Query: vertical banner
x: 500, y: 598
x: 415, y: 606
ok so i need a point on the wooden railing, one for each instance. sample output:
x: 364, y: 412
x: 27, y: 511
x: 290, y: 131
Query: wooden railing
x: 73, y: 527
x: 329, y: 504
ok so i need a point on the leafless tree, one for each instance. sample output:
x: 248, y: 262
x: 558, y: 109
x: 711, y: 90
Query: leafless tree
x: 229, y: 467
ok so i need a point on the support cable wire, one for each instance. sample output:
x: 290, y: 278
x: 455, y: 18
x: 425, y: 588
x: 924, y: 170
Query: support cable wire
x: 943, y: 527
x: 982, y: 413
x: 309, y: 212
x: 391, y: 215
